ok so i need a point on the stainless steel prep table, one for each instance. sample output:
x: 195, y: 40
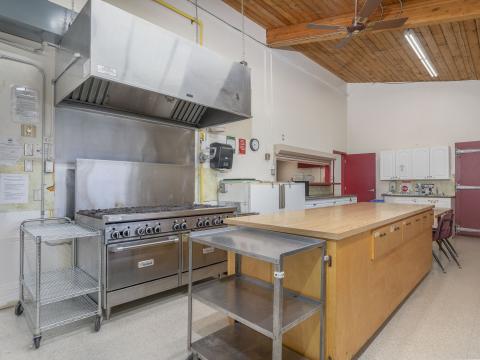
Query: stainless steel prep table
x: 262, y: 311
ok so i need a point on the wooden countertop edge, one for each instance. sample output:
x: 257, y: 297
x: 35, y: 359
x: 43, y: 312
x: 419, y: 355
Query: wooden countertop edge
x: 327, y: 235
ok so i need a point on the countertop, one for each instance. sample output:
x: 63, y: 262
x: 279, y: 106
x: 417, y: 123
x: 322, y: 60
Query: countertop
x: 418, y: 195
x: 324, y: 197
x: 332, y: 223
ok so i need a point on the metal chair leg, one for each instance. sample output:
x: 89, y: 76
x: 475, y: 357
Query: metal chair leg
x: 451, y: 246
x: 452, y: 254
x: 440, y: 246
x: 438, y: 262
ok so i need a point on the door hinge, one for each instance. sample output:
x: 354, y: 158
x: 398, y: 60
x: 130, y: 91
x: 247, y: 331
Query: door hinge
x: 328, y: 259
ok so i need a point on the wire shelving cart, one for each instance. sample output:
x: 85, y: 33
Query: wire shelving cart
x: 57, y: 297
x: 262, y: 311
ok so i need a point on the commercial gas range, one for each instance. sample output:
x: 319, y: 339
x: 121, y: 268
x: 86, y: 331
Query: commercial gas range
x: 146, y: 249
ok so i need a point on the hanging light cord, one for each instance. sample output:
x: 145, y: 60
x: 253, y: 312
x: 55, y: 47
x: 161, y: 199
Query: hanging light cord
x: 243, y: 35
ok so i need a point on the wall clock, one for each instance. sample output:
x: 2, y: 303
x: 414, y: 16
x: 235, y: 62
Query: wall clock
x: 254, y: 144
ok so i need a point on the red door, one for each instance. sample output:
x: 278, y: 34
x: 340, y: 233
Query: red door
x: 467, y: 200
x: 360, y: 176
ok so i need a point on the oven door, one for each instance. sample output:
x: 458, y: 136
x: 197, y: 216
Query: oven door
x: 202, y: 255
x: 134, y: 262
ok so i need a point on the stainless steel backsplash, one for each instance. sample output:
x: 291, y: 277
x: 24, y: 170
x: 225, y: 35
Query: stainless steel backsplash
x: 81, y: 134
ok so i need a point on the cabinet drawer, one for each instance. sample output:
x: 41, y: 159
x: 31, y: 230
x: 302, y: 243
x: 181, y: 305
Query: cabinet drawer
x: 412, y: 227
x: 386, y: 239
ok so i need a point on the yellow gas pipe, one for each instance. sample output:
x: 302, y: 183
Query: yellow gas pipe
x: 193, y: 19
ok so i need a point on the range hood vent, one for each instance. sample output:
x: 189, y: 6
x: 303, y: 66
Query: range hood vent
x: 130, y: 65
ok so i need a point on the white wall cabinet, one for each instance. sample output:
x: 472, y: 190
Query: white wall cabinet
x: 439, y: 162
x: 415, y: 164
x: 421, y: 163
x: 387, y: 165
x: 403, y: 164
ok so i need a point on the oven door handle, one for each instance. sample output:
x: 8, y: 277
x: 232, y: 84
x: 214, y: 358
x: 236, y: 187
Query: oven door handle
x: 171, y: 240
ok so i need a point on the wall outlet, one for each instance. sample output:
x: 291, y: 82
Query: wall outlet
x: 28, y: 166
x: 37, y: 194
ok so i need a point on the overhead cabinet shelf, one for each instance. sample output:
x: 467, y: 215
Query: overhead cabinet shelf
x: 415, y: 164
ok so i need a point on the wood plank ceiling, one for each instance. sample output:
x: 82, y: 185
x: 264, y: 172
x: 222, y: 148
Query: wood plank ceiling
x: 384, y: 56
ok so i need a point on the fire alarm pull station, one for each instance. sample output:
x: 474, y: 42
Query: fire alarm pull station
x: 221, y: 156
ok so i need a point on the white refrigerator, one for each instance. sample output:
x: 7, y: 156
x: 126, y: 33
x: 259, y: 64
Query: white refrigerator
x: 262, y: 197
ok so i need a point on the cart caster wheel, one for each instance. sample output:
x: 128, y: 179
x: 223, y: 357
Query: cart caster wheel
x: 36, y: 341
x: 98, y: 323
x: 18, y: 309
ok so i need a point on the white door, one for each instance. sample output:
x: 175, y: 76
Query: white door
x: 387, y: 165
x: 264, y: 198
x: 420, y: 163
x: 440, y: 162
x: 403, y: 164
x: 294, y: 196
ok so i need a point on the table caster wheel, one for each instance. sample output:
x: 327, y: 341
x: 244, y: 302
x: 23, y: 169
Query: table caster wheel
x: 36, y: 341
x: 98, y: 323
x: 18, y: 309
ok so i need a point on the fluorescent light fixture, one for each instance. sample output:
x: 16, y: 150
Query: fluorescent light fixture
x: 420, y: 52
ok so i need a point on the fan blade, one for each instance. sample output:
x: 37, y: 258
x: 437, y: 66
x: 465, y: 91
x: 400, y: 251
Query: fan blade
x: 369, y: 8
x: 326, y: 27
x: 344, y: 41
x: 387, y: 24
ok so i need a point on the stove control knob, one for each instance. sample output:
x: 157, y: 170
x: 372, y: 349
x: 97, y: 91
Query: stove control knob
x: 126, y: 233
x: 115, y: 234
x: 176, y: 226
x: 216, y: 222
x: 149, y: 230
x: 200, y: 223
x: 184, y: 226
x: 207, y: 222
x: 157, y: 229
x: 141, y: 231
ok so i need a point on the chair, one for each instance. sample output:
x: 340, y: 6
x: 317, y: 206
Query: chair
x: 441, y: 236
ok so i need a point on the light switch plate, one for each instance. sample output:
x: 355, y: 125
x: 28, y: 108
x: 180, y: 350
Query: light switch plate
x: 28, y: 166
x: 28, y: 150
x: 49, y: 165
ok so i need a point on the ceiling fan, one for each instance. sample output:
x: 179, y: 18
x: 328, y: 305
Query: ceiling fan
x: 360, y: 22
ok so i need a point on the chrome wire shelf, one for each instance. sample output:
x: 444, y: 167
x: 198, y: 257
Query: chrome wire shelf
x: 54, y: 232
x: 55, y: 298
x: 61, y: 284
x: 62, y: 312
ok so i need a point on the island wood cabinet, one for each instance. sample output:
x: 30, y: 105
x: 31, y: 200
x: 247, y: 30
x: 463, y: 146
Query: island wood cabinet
x: 415, y: 164
x: 370, y: 274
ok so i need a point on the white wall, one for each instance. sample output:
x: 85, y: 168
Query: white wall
x: 395, y: 116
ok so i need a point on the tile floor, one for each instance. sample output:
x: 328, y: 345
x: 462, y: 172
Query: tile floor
x: 440, y: 320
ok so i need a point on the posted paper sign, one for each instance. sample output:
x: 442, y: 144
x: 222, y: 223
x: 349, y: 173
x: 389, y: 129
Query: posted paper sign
x: 10, y: 152
x: 13, y: 189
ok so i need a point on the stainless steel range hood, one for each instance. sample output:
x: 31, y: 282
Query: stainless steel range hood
x: 130, y: 65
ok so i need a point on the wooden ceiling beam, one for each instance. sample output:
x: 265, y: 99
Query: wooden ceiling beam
x: 420, y: 13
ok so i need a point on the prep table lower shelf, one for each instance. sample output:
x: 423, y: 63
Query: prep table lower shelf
x: 250, y: 301
x: 238, y: 342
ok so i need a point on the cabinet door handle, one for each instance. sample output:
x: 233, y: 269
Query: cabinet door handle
x: 408, y: 223
x: 396, y: 228
x: 383, y: 234
x: 417, y: 220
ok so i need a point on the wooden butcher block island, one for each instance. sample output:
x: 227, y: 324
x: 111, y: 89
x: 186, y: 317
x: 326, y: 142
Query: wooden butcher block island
x: 379, y: 253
